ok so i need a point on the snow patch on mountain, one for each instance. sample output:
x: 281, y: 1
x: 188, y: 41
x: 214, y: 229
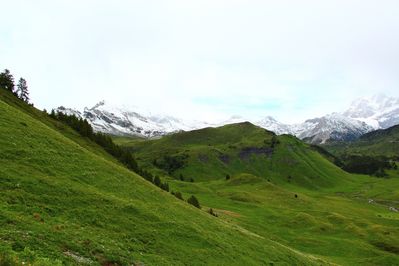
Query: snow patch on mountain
x: 272, y: 124
x: 378, y: 111
x: 364, y: 115
x: 69, y: 111
x: 112, y: 119
x: 319, y: 130
x: 334, y: 126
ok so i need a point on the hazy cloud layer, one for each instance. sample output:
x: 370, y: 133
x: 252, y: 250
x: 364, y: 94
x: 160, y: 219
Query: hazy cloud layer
x: 289, y: 59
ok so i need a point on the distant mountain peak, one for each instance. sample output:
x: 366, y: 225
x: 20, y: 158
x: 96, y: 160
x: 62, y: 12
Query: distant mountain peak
x: 100, y: 103
x: 378, y: 111
x: 363, y: 115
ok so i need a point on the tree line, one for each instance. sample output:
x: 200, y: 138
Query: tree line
x: 7, y: 83
x: 83, y: 127
x: 369, y: 165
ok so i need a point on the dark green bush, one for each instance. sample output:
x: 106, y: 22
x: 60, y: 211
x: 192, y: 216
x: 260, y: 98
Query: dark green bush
x: 194, y: 201
x: 178, y: 195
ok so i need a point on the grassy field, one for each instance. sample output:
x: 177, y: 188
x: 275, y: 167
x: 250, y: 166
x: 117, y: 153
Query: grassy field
x: 127, y: 141
x: 284, y: 191
x: 63, y: 200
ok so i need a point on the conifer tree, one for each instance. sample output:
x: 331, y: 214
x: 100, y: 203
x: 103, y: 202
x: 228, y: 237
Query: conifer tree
x: 7, y: 81
x: 194, y: 201
x: 22, y: 90
x: 178, y: 195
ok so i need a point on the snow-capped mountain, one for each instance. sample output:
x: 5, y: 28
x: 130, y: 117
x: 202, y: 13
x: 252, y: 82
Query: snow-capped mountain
x: 378, y: 111
x: 272, y: 124
x: 69, y: 111
x: 121, y: 120
x: 319, y: 130
x: 334, y: 126
x: 364, y: 115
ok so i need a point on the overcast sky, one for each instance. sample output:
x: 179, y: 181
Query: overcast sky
x: 204, y: 59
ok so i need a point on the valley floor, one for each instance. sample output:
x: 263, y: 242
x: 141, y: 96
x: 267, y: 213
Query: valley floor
x: 356, y: 225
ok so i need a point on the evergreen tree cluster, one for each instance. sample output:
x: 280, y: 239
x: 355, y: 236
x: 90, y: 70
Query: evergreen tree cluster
x: 84, y: 129
x: 370, y: 165
x: 7, y: 83
x: 171, y: 163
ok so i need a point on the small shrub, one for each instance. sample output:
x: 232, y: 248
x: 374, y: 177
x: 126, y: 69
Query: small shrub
x: 194, y: 201
x: 211, y: 212
x: 274, y: 142
x: 157, y: 181
x: 147, y: 176
x: 178, y: 195
x: 165, y: 186
x: 228, y: 177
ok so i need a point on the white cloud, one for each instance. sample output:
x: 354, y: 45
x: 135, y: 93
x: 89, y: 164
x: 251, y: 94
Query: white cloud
x: 291, y: 59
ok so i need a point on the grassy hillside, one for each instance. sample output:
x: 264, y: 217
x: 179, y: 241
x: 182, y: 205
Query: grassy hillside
x: 374, y: 153
x: 282, y: 188
x: 383, y: 142
x: 63, y: 200
x: 212, y: 153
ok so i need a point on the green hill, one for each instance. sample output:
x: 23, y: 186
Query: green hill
x: 63, y: 200
x: 212, y: 153
x: 281, y: 188
x: 384, y: 142
x: 374, y: 153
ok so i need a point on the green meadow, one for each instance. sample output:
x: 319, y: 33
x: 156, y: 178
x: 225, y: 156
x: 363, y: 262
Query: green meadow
x: 65, y: 201
x: 282, y: 189
x: 276, y: 201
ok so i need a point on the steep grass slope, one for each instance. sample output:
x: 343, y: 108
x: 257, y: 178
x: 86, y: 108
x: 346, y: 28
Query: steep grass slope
x: 63, y: 200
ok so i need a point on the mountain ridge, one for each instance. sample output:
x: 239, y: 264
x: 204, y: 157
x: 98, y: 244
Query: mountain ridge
x: 363, y: 116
